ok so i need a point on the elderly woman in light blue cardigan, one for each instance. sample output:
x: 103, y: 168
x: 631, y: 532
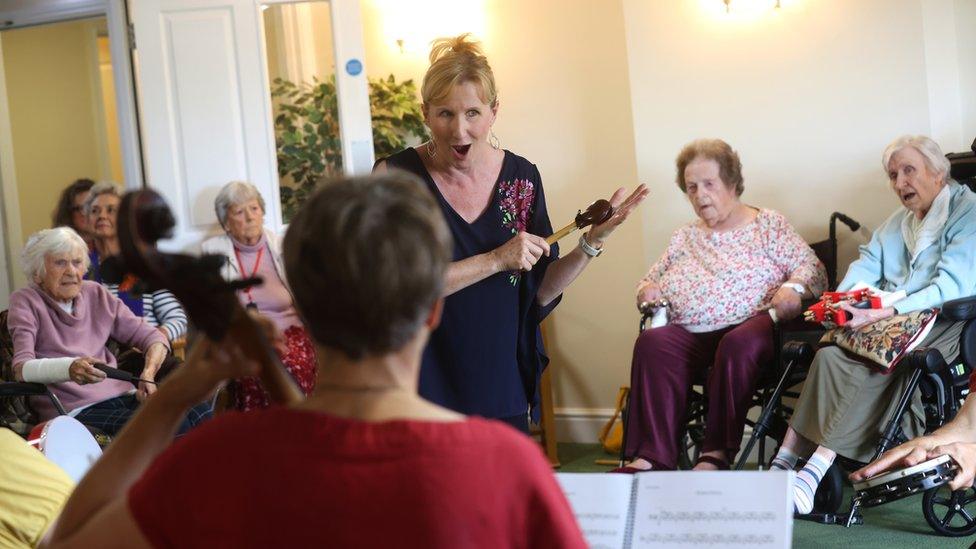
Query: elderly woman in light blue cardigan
x: 927, y: 249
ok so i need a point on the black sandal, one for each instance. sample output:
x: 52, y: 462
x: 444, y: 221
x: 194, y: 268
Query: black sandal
x: 712, y: 460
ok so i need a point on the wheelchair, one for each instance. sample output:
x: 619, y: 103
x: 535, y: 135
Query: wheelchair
x: 943, y: 389
x: 771, y: 385
x: 15, y: 411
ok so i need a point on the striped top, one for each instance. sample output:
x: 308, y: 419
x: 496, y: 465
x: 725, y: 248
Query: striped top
x: 160, y: 309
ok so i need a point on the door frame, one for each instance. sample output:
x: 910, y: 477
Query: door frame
x: 25, y: 13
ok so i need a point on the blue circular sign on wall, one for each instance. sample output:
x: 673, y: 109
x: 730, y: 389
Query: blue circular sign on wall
x: 354, y: 67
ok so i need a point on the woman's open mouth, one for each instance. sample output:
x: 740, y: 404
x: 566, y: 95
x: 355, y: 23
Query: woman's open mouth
x: 907, y: 196
x: 461, y: 151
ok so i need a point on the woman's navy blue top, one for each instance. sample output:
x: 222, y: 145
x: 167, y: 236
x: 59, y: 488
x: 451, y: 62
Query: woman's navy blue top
x: 486, y: 356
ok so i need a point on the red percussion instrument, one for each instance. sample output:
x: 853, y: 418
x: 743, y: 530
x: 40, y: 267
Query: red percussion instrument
x: 67, y: 443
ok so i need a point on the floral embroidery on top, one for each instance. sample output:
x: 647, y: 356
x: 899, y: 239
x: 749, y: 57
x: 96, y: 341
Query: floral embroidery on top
x: 516, y: 201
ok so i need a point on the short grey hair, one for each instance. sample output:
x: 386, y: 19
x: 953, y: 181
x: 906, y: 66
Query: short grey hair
x: 98, y: 190
x: 935, y: 159
x: 43, y: 243
x: 235, y: 192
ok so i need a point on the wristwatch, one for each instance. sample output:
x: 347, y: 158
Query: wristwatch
x: 796, y: 287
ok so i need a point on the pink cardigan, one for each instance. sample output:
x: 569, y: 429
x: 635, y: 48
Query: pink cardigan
x: 42, y: 329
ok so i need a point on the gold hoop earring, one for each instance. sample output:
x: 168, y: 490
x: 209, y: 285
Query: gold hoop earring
x: 431, y: 148
x: 493, y: 139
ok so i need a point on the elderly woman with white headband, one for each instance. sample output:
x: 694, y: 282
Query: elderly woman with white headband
x: 926, y: 249
x: 254, y: 251
x: 60, y: 325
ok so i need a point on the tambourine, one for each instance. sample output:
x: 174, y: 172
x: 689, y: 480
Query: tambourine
x: 68, y: 443
x: 895, y: 485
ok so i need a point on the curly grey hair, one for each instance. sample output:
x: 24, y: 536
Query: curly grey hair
x: 235, y: 192
x: 98, y: 190
x: 935, y: 159
x: 50, y: 241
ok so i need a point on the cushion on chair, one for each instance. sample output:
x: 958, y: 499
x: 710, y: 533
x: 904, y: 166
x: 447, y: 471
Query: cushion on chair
x: 960, y: 309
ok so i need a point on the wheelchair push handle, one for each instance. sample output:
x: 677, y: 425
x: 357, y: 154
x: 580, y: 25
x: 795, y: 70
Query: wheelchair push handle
x: 851, y: 224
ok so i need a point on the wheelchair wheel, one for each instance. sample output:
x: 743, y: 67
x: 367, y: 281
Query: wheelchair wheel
x: 830, y: 493
x: 946, y: 511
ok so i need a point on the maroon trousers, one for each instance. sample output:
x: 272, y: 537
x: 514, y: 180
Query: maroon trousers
x: 667, y: 360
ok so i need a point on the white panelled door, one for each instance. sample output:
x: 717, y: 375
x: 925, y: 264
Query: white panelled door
x: 205, y: 107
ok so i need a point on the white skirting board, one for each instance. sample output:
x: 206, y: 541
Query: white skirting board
x: 583, y: 425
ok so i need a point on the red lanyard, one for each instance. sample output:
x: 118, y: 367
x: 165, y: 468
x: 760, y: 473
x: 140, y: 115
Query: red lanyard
x: 254, y: 271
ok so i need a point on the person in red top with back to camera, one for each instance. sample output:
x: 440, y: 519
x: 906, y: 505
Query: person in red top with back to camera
x: 364, y: 461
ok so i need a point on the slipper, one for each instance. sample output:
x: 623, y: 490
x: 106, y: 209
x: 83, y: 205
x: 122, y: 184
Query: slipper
x: 720, y: 464
x: 628, y: 470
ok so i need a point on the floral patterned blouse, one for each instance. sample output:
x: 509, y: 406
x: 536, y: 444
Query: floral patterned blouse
x: 718, y: 279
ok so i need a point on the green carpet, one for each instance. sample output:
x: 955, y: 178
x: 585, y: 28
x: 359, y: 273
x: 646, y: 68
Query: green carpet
x: 897, y: 524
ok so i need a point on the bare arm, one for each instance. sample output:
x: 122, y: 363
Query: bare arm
x: 521, y: 252
x: 956, y: 438
x: 94, y: 505
x: 565, y: 270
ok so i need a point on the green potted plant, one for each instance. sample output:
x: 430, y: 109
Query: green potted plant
x: 307, y: 130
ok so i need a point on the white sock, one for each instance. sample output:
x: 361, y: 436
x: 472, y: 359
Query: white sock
x: 785, y: 460
x: 807, y: 481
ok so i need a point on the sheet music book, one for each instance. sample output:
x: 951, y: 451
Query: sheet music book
x: 682, y: 509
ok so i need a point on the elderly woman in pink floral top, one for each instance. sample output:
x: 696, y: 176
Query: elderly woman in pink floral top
x: 721, y: 275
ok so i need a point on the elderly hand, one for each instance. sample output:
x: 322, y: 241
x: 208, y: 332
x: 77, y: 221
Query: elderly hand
x: 622, y: 207
x: 520, y: 253
x: 649, y: 292
x: 787, y: 304
x: 145, y: 390
x: 862, y: 317
x: 82, y: 372
x: 964, y: 454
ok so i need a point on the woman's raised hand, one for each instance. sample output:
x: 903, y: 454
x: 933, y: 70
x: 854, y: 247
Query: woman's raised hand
x: 520, y: 253
x: 621, y: 209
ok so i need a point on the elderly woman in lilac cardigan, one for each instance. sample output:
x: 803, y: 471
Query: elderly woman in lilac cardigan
x: 60, y: 325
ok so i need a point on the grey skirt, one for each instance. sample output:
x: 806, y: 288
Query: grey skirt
x: 845, y: 404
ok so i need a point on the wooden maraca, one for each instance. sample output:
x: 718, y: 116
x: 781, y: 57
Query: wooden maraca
x: 595, y: 213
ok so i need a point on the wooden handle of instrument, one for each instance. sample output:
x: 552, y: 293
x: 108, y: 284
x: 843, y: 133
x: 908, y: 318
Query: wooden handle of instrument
x: 561, y: 233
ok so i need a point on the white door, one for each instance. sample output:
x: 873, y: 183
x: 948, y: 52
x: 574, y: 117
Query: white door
x: 205, y: 108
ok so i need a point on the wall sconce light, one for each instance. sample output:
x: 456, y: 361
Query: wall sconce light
x: 728, y: 5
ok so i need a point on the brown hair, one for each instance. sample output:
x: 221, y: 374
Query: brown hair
x: 454, y: 61
x: 62, y: 213
x: 365, y: 258
x: 729, y: 165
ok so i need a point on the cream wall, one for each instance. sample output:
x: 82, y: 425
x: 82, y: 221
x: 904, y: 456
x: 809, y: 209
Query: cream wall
x: 52, y: 89
x: 601, y: 94
x: 564, y: 100
x: 965, y: 16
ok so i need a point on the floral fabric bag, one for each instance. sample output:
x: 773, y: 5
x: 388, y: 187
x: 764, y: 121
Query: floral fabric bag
x: 886, y: 341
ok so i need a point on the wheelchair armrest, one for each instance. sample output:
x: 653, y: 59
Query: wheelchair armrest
x: 927, y: 360
x: 960, y: 309
x: 22, y: 388
x: 799, y: 352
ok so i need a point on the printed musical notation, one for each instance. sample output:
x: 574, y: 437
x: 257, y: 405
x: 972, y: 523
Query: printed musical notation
x: 705, y: 540
x: 712, y: 516
x: 682, y: 509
